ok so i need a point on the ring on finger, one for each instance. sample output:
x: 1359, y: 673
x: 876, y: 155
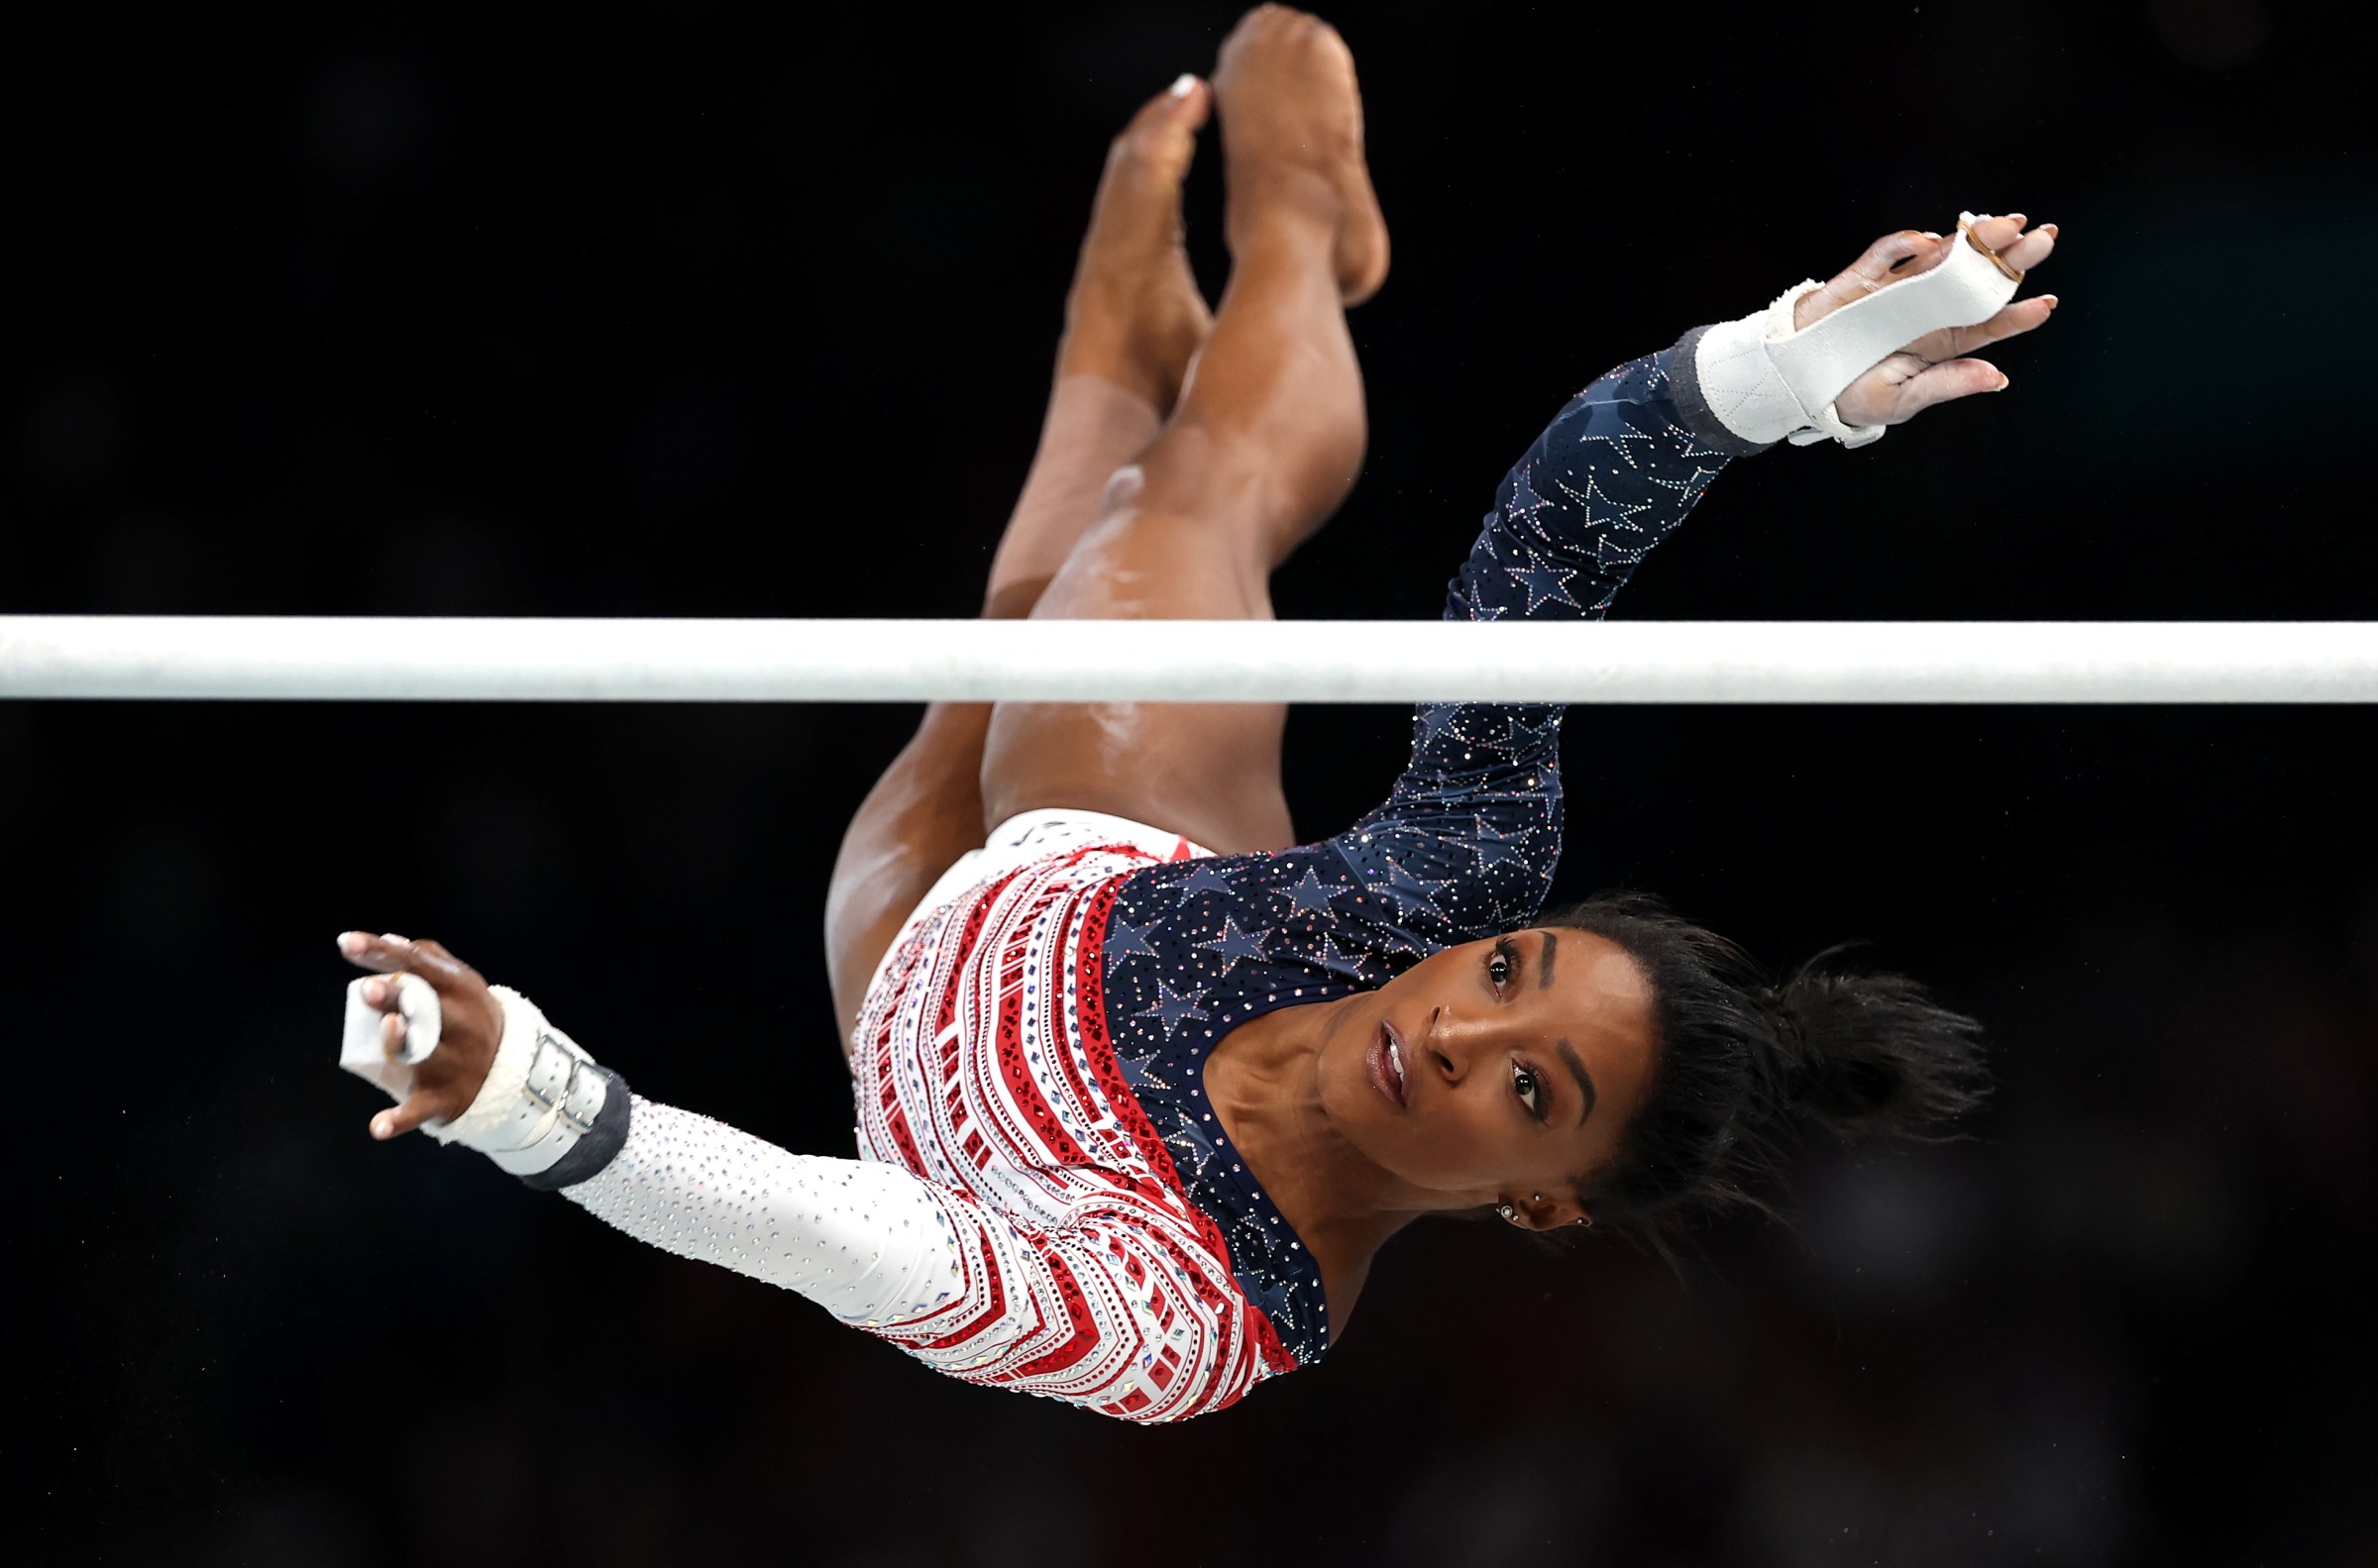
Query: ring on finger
x: 2001, y: 262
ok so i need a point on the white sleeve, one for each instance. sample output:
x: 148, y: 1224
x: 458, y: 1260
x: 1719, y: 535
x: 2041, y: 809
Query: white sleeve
x: 864, y: 1240
x: 1126, y: 1307
x: 1123, y: 1311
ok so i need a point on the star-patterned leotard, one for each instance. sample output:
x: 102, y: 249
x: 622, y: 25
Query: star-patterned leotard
x: 1045, y: 1199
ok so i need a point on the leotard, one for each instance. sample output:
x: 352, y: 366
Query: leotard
x: 1043, y: 1200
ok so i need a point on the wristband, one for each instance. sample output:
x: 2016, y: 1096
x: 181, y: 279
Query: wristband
x: 547, y: 1111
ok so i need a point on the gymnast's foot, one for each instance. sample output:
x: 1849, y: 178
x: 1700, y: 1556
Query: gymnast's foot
x: 1292, y: 133
x: 1134, y: 316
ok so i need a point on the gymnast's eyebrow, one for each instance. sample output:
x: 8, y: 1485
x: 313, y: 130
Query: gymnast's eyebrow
x: 1544, y: 960
x: 1584, y: 1078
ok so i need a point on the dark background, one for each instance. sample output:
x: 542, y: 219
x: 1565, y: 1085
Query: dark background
x: 707, y: 309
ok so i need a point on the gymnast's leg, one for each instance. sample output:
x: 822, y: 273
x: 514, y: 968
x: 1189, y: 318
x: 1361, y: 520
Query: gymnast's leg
x: 1264, y: 444
x: 1133, y: 321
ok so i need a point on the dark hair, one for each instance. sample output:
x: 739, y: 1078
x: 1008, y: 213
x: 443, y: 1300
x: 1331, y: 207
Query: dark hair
x: 1746, y: 1062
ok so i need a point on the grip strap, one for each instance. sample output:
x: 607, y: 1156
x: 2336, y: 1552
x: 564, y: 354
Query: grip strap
x: 547, y: 1111
x: 1767, y: 381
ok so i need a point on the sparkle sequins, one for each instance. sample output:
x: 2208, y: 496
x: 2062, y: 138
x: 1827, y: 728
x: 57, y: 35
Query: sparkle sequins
x: 1046, y: 1203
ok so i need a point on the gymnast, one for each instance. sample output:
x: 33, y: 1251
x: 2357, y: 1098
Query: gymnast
x: 1142, y: 1084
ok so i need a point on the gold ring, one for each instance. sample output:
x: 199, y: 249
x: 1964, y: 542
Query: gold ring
x: 1996, y: 260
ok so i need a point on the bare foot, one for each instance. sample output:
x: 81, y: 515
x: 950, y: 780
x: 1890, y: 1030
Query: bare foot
x: 1291, y: 111
x: 1134, y: 316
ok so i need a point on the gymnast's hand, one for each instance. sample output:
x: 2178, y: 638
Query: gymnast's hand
x: 470, y: 1025
x: 1936, y: 368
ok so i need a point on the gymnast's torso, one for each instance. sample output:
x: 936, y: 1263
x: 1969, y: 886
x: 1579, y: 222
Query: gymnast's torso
x: 1038, y: 1036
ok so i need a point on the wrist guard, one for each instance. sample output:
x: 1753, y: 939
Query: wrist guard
x: 546, y: 1111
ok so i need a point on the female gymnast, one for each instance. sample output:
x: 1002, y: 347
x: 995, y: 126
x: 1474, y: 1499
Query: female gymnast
x: 1142, y: 1084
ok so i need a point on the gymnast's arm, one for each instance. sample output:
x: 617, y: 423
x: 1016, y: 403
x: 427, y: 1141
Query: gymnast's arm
x: 1466, y: 845
x: 1118, y: 1309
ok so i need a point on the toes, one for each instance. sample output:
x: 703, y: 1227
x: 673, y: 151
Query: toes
x: 1184, y: 104
x: 1163, y: 136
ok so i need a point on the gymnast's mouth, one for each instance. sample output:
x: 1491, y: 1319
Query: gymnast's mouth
x: 1385, y: 1059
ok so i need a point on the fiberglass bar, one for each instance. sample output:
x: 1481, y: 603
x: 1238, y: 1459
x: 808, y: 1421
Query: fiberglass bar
x: 455, y: 659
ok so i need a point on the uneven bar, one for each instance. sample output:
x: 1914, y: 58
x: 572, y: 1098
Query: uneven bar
x: 442, y: 660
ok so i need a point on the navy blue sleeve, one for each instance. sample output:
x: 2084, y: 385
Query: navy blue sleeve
x: 1466, y: 845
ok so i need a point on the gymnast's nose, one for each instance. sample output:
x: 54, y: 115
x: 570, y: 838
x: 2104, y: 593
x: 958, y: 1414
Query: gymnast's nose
x: 1452, y: 1043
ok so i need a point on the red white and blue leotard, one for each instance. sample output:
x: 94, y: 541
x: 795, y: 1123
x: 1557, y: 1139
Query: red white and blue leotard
x: 1043, y: 1200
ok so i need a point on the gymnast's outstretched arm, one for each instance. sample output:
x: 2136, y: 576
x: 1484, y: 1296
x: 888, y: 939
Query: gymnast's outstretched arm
x: 1119, y: 1308
x: 1466, y: 845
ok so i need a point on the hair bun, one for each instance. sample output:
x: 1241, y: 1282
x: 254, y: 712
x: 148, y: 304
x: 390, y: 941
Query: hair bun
x: 1872, y: 1055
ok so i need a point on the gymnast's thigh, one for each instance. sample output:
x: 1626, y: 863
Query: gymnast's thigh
x: 1208, y: 771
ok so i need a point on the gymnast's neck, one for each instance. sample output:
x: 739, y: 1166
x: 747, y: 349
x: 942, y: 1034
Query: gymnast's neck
x: 1263, y: 1079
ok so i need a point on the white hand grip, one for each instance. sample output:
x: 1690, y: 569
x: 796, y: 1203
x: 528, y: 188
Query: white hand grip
x: 1766, y: 379
x: 362, y: 1051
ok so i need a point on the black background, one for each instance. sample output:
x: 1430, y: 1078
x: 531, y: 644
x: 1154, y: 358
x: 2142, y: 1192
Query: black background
x: 705, y: 309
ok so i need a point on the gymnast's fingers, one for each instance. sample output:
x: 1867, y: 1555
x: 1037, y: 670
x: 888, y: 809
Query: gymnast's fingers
x: 418, y: 1108
x: 1943, y: 383
x: 2031, y: 250
x: 384, y: 952
x: 2001, y: 232
x: 448, y: 974
x: 389, y: 952
x: 1890, y: 258
x: 458, y: 969
x: 1950, y: 341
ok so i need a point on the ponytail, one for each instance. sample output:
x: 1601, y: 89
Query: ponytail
x: 1746, y: 1063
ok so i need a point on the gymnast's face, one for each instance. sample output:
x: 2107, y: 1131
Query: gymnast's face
x: 1495, y: 1072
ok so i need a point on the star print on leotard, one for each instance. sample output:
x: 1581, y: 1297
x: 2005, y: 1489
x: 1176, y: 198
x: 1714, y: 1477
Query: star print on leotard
x: 1465, y: 846
x: 1043, y: 1200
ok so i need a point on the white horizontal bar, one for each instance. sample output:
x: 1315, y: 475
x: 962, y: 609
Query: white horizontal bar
x: 262, y: 658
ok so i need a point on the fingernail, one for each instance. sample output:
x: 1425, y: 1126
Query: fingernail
x: 352, y: 941
x: 2001, y: 386
x: 391, y: 938
x: 2051, y: 299
x: 2048, y: 228
x: 1182, y: 85
x: 1931, y: 233
x: 380, y: 1126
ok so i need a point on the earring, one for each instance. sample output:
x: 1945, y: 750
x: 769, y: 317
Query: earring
x: 1510, y: 1214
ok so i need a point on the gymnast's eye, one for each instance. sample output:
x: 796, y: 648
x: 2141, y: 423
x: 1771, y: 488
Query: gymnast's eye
x: 1530, y: 1091
x: 1501, y: 963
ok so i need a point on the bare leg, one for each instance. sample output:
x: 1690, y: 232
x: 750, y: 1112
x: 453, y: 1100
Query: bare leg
x: 1264, y: 444
x: 1133, y: 323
